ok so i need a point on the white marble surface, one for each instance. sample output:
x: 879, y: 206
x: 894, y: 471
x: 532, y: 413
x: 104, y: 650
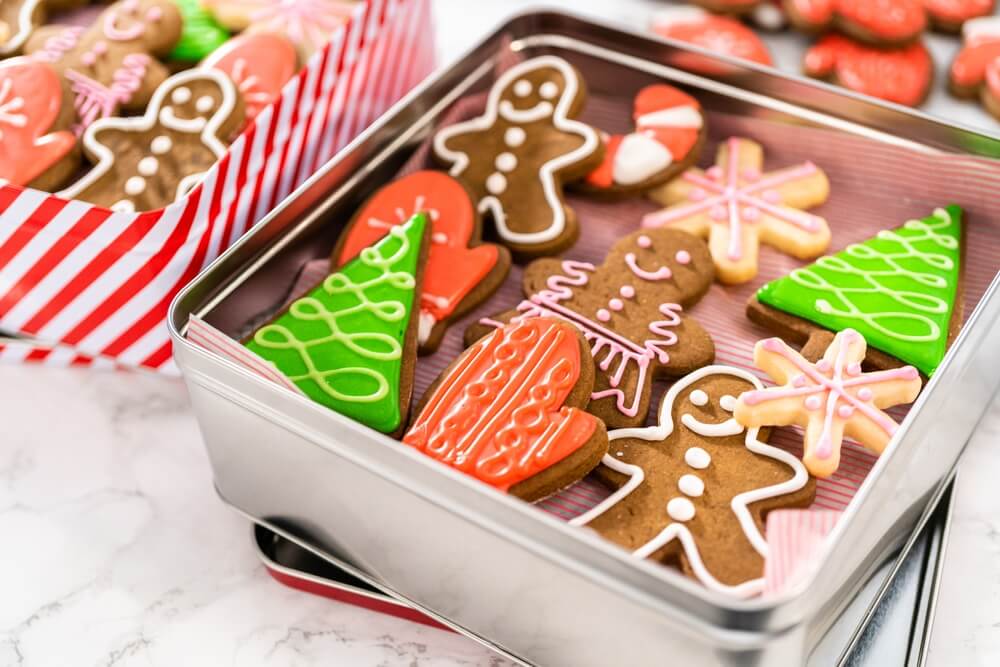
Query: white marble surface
x: 115, y: 549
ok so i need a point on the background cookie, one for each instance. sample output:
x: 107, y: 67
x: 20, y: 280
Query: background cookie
x: 975, y: 71
x: 719, y: 34
x: 461, y: 271
x: 877, y: 22
x: 516, y: 156
x: 951, y: 15
x: 535, y: 441
x: 739, y: 7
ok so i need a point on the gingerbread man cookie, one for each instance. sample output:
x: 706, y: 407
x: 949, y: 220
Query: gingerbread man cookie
x: 697, y: 487
x: 112, y: 64
x: 18, y: 19
x: 630, y: 310
x: 669, y: 132
x: 516, y: 156
x: 146, y: 162
x: 876, y: 22
x: 35, y: 148
x: 830, y: 399
x: 737, y: 207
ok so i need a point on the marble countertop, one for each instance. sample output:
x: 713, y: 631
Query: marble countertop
x: 116, y: 549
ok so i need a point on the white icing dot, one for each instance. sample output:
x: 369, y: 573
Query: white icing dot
x: 181, y: 95
x: 496, y: 183
x: 514, y: 136
x: 680, y: 509
x: 728, y: 403
x: 691, y: 485
x: 506, y: 162
x: 522, y: 88
x: 696, y: 457
x: 135, y: 185
x: 698, y: 397
x: 548, y: 90
x: 205, y: 104
x: 124, y: 206
x: 161, y: 145
x: 148, y: 166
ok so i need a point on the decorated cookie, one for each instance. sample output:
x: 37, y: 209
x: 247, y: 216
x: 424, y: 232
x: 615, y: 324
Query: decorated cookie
x: 259, y: 65
x: 737, y: 7
x: 877, y: 22
x: 146, y: 162
x: 18, y: 19
x: 350, y: 343
x: 975, y: 71
x: 35, y: 148
x: 770, y: 15
x: 719, y: 34
x: 902, y: 75
x: 697, y: 486
x: 461, y: 271
x: 900, y: 290
x: 516, y: 156
x: 669, y: 132
x: 309, y: 24
x: 202, y: 34
x: 112, y: 64
x: 951, y: 15
x: 830, y: 399
x: 737, y: 207
x: 509, y: 411
x: 630, y: 310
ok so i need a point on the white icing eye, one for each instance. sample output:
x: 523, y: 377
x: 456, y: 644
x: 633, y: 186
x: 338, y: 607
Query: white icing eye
x: 698, y: 397
x: 728, y: 403
x: 522, y: 88
x: 205, y: 104
x: 548, y: 90
x: 161, y: 145
x: 514, y: 137
x: 680, y: 509
x: 181, y: 95
x: 506, y: 162
x: 135, y: 185
x: 148, y: 166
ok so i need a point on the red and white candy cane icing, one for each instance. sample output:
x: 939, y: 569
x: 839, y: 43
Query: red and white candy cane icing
x: 668, y: 123
x: 981, y: 47
x: 735, y: 198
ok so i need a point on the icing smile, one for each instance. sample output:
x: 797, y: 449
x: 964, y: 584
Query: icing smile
x: 720, y: 430
x: 121, y: 34
x: 170, y: 119
x: 536, y: 113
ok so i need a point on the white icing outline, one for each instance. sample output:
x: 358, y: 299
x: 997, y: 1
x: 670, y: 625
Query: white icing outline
x: 209, y: 130
x: 460, y: 161
x: 23, y: 30
x: 740, y: 503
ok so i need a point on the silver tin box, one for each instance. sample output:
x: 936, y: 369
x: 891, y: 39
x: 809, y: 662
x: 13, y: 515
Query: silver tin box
x: 488, y: 564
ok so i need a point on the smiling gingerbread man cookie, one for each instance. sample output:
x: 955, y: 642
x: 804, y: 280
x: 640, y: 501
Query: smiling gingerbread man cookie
x: 516, y: 156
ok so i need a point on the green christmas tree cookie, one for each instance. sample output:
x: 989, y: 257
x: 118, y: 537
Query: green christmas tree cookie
x: 898, y: 289
x: 201, y: 34
x: 347, y: 343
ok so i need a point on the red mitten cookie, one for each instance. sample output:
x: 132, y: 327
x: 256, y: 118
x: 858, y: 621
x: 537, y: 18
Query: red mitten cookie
x: 877, y: 22
x: 696, y: 488
x: 509, y: 411
x: 630, y: 311
x: 902, y: 75
x: 460, y: 272
x: 718, y: 34
x: 951, y: 15
x: 669, y: 132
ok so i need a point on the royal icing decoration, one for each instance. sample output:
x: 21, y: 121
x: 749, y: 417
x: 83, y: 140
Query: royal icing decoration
x: 202, y: 34
x: 30, y: 103
x: 17, y: 22
x: 830, y: 399
x: 343, y: 343
x: 883, y: 20
x: 718, y: 34
x: 499, y: 414
x: 196, y: 109
x: 736, y: 207
x: 668, y: 126
x: 453, y: 269
x: 682, y: 489
x: 259, y: 64
x: 534, y: 99
x: 902, y: 75
x: 897, y: 289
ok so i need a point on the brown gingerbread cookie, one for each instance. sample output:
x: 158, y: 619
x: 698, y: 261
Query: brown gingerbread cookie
x: 18, y: 19
x: 630, y: 309
x: 509, y: 410
x: 516, y: 156
x: 695, y: 489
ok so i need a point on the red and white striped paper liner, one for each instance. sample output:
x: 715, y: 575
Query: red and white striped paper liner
x: 794, y: 538
x: 76, y: 277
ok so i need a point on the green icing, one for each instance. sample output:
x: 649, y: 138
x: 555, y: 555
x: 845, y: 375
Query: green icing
x: 897, y: 289
x: 201, y: 34
x: 342, y: 343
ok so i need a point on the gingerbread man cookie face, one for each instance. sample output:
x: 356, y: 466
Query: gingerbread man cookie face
x: 516, y: 156
x: 736, y: 206
x: 112, y: 64
x: 876, y: 22
x: 630, y: 310
x: 696, y: 487
x: 147, y: 162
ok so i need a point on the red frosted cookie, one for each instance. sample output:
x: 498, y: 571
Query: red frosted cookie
x: 902, y: 75
x: 975, y: 69
x: 729, y: 6
x: 718, y: 34
x: 951, y: 15
x: 878, y: 22
x: 669, y: 131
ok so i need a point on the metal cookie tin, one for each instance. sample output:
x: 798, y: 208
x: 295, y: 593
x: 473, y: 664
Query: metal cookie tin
x: 492, y: 566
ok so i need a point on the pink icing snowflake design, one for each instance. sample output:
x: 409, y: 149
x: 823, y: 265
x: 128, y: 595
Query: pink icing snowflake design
x: 308, y: 23
x: 830, y: 399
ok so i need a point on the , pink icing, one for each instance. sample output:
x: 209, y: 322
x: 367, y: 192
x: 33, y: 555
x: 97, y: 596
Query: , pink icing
x: 683, y: 257
x: 616, y: 304
x: 834, y: 387
x: 603, y: 315
x: 644, y: 241
x: 854, y: 368
x: 662, y: 273
x: 724, y: 197
x: 627, y: 291
x: 93, y: 100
